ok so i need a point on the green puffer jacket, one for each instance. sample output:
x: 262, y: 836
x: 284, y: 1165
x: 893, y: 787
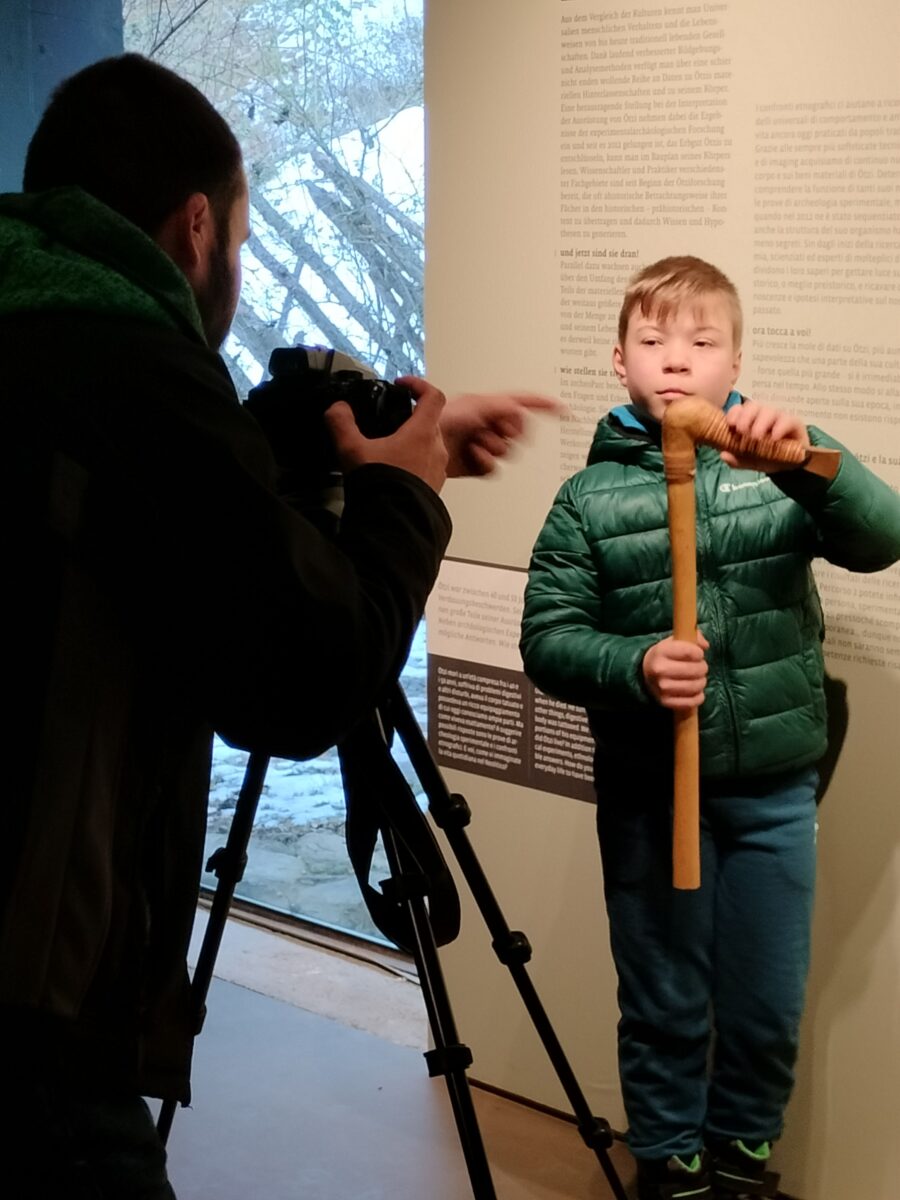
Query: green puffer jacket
x: 599, y: 595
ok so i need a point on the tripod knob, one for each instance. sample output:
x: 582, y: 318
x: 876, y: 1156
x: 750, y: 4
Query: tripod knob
x: 450, y: 812
x: 514, y: 948
x: 596, y: 1133
x: 443, y: 1060
x: 225, y: 863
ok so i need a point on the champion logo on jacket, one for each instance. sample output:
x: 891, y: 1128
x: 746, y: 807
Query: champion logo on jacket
x: 739, y: 487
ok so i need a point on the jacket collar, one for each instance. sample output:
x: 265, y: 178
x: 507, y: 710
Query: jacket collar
x: 628, y: 430
x: 63, y: 249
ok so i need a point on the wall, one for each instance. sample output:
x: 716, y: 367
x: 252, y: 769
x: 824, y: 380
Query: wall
x: 570, y: 142
x: 42, y: 43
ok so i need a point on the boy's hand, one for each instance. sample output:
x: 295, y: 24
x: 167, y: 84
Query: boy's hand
x: 479, y: 429
x: 417, y: 446
x: 675, y: 672
x: 755, y: 420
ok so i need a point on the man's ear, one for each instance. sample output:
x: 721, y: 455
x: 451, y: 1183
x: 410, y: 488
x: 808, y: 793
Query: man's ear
x: 736, y: 368
x: 188, y: 234
x: 618, y: 362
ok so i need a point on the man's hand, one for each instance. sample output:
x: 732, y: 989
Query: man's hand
x: 751, y: 419
x: 478, y: 429
x: 675, y: 672
x: 417, y: 446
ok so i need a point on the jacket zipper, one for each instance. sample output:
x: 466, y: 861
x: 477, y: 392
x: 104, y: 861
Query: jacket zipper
x: 704, y: 555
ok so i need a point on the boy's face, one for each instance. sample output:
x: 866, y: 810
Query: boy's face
x: 692, y: 353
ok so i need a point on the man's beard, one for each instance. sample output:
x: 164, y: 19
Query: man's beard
x: 216, y: 300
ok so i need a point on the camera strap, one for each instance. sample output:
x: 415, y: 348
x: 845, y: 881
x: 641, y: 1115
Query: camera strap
x: 379, y: 798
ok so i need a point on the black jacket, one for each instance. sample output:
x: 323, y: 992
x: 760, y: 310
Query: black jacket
x: 159, y: 588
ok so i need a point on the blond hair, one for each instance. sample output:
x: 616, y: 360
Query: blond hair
x: 663, y: 287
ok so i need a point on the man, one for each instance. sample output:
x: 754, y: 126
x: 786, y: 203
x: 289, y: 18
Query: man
x: 160, y: 589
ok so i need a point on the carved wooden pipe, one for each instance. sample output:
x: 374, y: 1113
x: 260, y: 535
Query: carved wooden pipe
x: 687, y: 423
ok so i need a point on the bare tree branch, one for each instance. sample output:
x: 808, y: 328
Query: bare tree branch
x: 294, y: 80
x: 335, y: 337
x: 358, y: 230
x: 174, y: 27
x: 330, y: 167
x: 401, y: 362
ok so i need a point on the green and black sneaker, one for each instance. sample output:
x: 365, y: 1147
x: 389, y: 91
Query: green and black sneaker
x: 674, y: 1178
x: 739, y: 1170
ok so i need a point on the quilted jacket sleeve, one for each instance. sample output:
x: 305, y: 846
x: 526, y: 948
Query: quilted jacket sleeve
x: 563, y: 649
x: 857, y: 514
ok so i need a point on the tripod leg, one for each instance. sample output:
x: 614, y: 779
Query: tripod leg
x: 228, y: 863
x: 451, y: 814
x: 514, y: 951
x: 449, y: 1057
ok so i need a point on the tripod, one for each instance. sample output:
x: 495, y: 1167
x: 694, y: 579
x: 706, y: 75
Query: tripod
x: 418, y: 908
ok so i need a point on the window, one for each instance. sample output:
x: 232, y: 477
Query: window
x: 326, y: 99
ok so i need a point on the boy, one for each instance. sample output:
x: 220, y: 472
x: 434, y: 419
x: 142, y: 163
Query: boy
x: 596, y: 631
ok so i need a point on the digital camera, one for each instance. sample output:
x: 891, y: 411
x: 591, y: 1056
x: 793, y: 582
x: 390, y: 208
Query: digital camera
x: 305, y: 381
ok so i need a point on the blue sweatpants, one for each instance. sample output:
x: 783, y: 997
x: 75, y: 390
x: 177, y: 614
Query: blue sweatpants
x: 731, y: 957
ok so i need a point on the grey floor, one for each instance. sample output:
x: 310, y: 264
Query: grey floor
x: 291, y: 1105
